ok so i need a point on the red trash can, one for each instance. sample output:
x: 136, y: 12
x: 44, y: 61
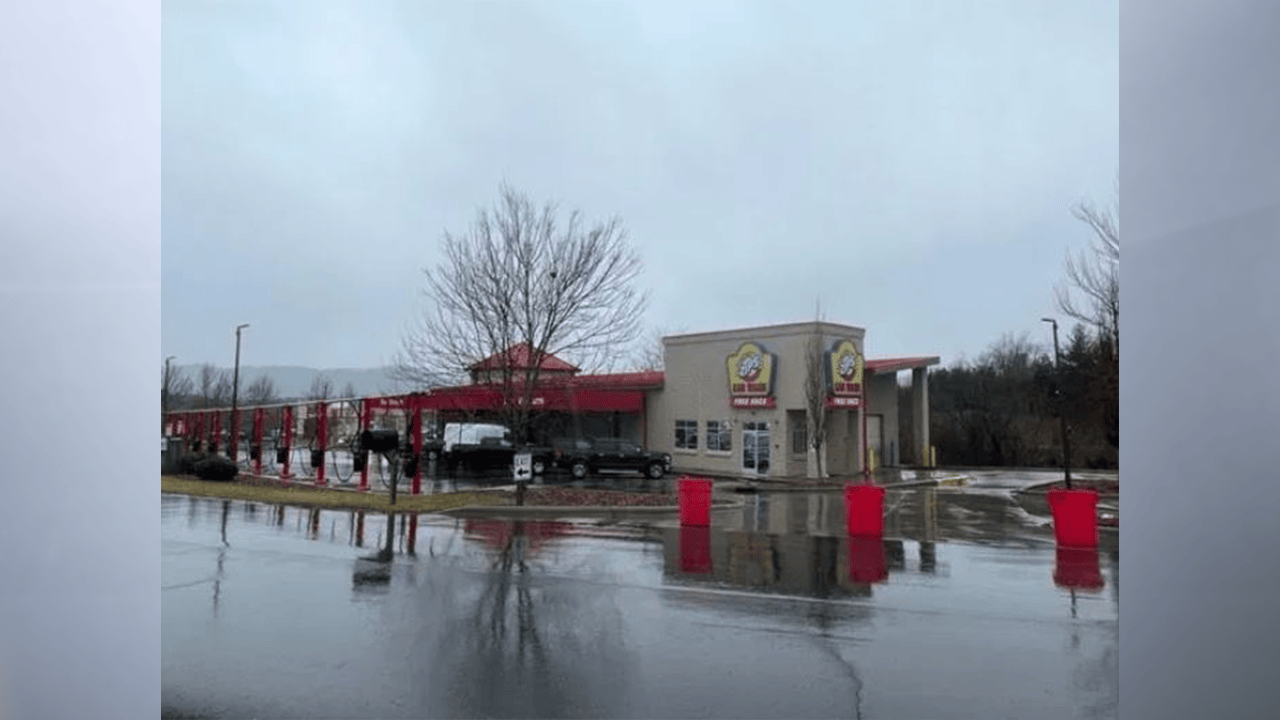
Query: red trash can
x: 1075, y: 517
x: 864, y: 510
x: 695, y: 502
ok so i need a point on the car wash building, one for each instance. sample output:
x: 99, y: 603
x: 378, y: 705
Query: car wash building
x: 735, y: 402
x: 727, y: 403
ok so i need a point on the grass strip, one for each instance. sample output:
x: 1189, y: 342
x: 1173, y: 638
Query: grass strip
x: 323, y: 497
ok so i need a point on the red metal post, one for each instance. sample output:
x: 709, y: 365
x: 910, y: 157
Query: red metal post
x: 366, y: 417
x: 322, y: 427
x: 286, y: 436
x: 416, y: 426
x: 259, y: 418
x: 644, y: 423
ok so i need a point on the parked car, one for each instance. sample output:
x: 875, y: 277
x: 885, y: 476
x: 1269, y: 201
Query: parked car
x: 583, y: 456
x: 480, y: 447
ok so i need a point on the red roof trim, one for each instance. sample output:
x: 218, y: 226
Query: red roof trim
x: 645, y: 380
x: 881, y: 366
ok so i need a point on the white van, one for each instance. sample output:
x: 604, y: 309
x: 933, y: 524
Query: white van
x: 474, y: 434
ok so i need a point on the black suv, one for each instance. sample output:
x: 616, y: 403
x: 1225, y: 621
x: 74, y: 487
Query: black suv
x: 582, y: 457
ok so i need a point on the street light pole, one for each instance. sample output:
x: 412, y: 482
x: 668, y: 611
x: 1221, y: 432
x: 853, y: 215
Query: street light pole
x: 235, y: 396
x: 164, y: 395
x: 1062, y: 416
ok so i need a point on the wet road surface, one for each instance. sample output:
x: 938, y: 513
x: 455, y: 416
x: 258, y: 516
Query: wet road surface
x: 964, y: 610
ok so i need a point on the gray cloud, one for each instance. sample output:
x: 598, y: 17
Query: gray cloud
x: 912, y: 164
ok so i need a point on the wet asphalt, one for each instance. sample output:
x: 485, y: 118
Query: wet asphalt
x: 965, y: 609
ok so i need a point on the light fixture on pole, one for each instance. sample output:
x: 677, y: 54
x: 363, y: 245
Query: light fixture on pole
x: 1062, y: 416
x: 235, y: 396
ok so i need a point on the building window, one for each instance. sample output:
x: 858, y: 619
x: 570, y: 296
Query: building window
x: 719, y: 436
x: 799, y: 437
x: 687, y: 434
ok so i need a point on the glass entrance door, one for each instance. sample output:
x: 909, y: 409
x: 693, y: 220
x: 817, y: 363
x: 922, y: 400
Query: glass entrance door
x: 755, y: 447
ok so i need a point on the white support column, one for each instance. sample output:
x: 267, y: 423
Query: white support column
x: 920, y: 415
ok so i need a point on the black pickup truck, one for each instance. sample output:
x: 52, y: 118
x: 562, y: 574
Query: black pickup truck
x: 585, y: 456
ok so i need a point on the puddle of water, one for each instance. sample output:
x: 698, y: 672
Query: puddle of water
x: 270, y: 611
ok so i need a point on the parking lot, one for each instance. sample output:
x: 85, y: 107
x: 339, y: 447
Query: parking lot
x: 963, y: 610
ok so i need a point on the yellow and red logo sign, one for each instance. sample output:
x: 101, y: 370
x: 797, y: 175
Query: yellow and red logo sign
x: 846, y: 374
x: 751, y: 375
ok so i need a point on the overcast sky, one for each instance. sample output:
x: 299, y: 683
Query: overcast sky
x: 910, y: 165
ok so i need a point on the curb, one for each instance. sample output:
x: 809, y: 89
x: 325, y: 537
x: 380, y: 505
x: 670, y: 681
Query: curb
x: 738, y: 486
x: 1042, y: 488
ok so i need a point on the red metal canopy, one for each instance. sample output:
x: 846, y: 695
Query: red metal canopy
x: 564, y: 399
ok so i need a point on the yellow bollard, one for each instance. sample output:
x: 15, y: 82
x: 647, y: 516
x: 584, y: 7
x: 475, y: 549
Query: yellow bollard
x: 933, y: 456
x: 871, y: 459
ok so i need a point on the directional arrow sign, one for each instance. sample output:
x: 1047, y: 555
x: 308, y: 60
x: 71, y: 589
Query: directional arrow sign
x: 523, y: 466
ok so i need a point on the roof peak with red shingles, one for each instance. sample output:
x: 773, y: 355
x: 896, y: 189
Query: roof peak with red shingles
x: 519, y: 357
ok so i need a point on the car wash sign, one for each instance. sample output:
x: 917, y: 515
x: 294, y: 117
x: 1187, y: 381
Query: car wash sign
x: 845, y: 364
x: 751, y: 375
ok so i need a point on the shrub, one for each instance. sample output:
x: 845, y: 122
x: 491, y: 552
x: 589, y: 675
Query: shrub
x: 187, y: 463
x: 216, y: 467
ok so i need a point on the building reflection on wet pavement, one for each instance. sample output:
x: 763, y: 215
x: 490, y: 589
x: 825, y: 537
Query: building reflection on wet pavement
x: 964, y: 609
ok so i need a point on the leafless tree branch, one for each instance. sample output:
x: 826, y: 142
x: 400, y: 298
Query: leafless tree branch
x: 261, y: 391
x: 321, y: 387
x: 213, y: 386
x: 523, y: 276
x: 815, y: 395
x: 1091, y: 292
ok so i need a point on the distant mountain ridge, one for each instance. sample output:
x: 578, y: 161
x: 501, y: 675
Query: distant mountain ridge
x: 294, y: 381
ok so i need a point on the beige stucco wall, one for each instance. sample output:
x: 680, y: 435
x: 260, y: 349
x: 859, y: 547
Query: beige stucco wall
x: 697, y: 388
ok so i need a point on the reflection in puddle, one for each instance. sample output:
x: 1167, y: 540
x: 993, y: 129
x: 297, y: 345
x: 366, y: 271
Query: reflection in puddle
x: 549, y: 618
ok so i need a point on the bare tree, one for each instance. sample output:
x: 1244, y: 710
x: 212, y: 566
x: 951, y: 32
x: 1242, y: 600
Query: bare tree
x: 520, y: 285
x: 207, y: 378
x: 349, y: 390
x: 175, y: 388
x: 1003, y: 396
x: 651, y: 354
x: 1094, y: 275
x: 261, y: 391
x: 321, y: 387
x: 213, y: 386
x: 222, y: 388
x: 815, y: 396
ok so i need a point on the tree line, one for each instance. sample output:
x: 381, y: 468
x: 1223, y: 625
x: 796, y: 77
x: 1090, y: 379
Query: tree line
x: 1002, y: 409
x: 210, y: 387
